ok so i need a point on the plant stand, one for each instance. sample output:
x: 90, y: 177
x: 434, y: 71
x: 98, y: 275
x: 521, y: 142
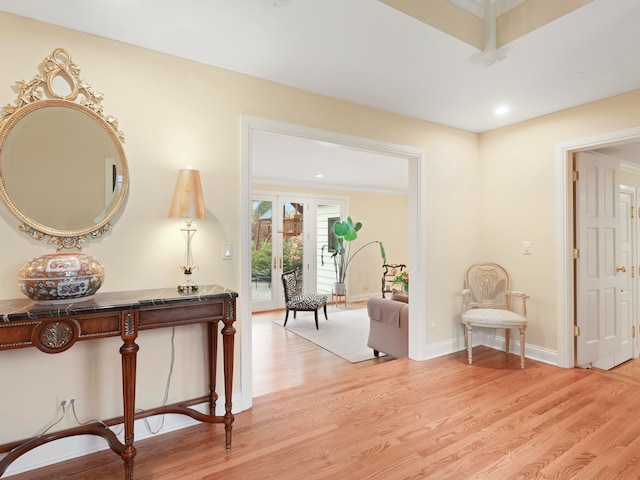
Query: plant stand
x: 338, y: 298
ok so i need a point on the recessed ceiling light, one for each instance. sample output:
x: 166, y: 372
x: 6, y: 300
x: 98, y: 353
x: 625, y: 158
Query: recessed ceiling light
x: 501, y: 110
x: 279, y: 3
x: 319, y: 175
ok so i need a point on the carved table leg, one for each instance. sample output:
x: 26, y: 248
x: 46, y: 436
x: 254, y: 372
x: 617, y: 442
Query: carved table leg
x: 228, y: 333
x: 128, y: 352
x: 212, y: 330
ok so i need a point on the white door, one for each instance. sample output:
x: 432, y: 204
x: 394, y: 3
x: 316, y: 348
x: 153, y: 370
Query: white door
x: 627, y: 260
x: 278, y: 245
x: 600, y: 282
x: 636, y: 275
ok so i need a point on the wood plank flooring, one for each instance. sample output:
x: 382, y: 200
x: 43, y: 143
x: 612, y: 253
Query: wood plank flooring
x: 317, y: 416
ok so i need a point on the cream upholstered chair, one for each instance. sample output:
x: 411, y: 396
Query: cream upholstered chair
x: 486, y: 303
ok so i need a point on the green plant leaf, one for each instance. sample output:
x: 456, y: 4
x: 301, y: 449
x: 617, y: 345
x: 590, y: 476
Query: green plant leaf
x: 383, y: 254
x: 347, y: 230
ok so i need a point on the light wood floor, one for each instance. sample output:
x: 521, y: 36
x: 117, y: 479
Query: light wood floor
x: 317, y: 416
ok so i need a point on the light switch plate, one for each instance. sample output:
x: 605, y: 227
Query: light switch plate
x: 227, y: 251
x: 526, y: 248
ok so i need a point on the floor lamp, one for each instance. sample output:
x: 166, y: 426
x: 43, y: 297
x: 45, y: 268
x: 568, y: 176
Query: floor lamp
x: 188, y: 204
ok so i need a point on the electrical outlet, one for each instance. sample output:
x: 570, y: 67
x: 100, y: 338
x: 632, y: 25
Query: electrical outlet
x: 66, y: 400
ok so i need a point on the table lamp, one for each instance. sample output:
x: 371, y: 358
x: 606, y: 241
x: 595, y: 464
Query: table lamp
x: 188, y: 204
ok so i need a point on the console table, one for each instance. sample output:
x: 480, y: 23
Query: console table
x: 55, y: 328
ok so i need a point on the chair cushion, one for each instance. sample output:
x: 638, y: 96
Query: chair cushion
x: 493, y: 317
x: 399, y: 296
x: 309, y: 301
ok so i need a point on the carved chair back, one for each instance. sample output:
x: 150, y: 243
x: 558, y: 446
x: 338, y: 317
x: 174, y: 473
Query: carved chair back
x: 486, y: 284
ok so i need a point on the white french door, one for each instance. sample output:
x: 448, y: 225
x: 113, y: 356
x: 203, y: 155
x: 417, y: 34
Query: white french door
x: 601, y: 278
x: 277, y: 245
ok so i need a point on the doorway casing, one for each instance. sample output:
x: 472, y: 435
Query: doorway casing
x: 565, y: 238
x: 415, y: 157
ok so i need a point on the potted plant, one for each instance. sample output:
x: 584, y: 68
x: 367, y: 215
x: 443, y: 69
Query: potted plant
x: 345, y: 233
x: 402, y: 279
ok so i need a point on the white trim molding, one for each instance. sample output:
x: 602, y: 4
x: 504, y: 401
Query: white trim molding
x: 415, y: 157
x: 564, y: 234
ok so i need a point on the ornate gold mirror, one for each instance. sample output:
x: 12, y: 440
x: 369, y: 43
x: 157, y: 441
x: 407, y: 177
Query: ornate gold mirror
x: 63, y: 171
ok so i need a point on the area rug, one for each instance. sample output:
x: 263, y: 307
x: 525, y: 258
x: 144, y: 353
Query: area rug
x: 344, y: 334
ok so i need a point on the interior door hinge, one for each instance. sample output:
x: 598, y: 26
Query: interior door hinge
x: 633, y: 271
x: 575, y: 176
x: 576, y: 331
x: 633, y: 212
x: 633, y: 332
x: 576, y: 253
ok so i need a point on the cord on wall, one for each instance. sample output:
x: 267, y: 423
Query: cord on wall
x: 72, y: 403
x: 52, y: 423
x: 166, y: 388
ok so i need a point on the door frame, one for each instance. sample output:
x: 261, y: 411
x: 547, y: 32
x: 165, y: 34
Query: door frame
x: 310, y: 230
x: 415, y: 158
x: 278, y: 199
x: 565, y: 311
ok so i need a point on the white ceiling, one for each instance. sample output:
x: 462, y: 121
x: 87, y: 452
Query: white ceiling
x: 366, y: 52
x: 290, y: 160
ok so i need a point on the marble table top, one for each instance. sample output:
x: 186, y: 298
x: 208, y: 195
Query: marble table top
x: 24, y: 308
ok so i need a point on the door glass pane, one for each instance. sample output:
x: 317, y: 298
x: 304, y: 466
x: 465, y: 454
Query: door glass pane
x: 327, y: 215
x: 261, y: 247
x: 293, y: 240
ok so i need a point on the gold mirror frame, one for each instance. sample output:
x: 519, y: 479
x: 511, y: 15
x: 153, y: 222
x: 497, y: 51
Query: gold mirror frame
x: 41, y: 93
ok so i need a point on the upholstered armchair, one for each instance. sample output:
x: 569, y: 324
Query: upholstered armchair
x: 306, y: 302
x: 388, y: 327
x: 486, y: 303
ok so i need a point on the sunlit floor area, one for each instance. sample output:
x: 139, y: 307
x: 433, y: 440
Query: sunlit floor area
x: 317, y: 416
x: 282, y: 359
x: 440, y: 419
x: 629, y: 370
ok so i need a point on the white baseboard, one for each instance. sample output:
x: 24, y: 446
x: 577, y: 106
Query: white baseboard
x: 78, y: 446
x: 486, y: 337
x: 492, y: 340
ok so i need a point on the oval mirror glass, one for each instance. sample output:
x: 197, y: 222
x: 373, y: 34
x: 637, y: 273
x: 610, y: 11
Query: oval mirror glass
x: 61, y: 168
x: 63, y: 171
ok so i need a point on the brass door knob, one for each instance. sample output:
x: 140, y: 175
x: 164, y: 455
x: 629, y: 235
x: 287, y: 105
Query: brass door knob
x: 621, y: 269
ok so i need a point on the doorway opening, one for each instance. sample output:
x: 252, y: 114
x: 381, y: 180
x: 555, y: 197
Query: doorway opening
x: 413, y: 157
x: 566, y: 236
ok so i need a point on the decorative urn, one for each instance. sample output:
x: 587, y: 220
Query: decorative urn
x: 61, y: 278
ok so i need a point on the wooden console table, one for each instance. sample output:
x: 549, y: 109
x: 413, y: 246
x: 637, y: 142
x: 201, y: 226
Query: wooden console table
x: 55, y: 328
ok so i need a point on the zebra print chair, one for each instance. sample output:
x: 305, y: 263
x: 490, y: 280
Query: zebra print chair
x: 301, y: 302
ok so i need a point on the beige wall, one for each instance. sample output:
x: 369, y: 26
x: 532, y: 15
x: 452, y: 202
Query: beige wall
x: 630, y: 179
x: 519, y: 200
x: 176, y: 113
x: 481, y: 196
